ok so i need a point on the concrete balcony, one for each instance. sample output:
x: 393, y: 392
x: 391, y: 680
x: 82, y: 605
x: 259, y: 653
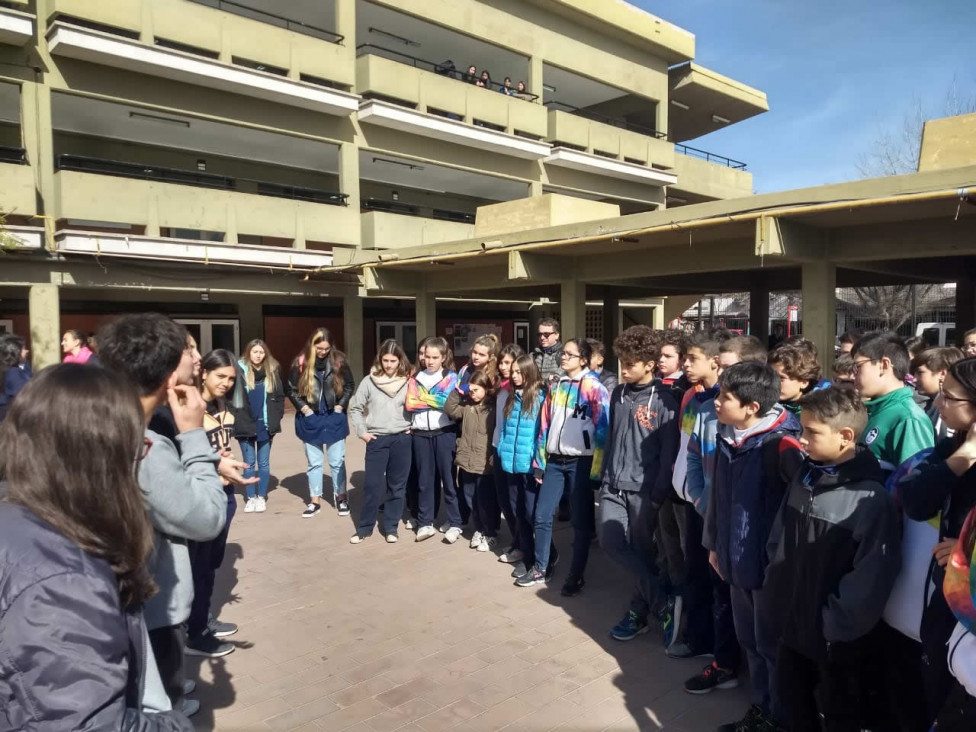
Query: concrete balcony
x: 384, y: 230
x: 410, y: 82
x: 16, y: 28
x: 230, y: 34
x: 17, y: 195
x: 602, y: 138
x: 156, y: 205
x: 708, y: 180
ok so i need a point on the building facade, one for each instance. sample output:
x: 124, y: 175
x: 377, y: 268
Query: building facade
x: 221, y: 160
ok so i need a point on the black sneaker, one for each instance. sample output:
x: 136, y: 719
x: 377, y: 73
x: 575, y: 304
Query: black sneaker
x: 711, y: 677
x: 219, y: 629
x: 311, y: 510
x: 207, y: 645
x: 754, y: 721
x: 519, y: 569
x: 573, y: 586
x: 343, y: 507
x: 532, y: 577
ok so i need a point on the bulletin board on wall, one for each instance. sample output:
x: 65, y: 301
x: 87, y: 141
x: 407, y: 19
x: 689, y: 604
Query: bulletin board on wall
x: 465, y: 334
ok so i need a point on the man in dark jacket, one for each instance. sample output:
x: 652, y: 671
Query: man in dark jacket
x: 546, y: 356
x: 835, y: 552
x: 641, y: 448
x: 756, y: 437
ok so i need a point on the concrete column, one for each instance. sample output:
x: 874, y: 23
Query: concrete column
x: 250, y: 312
x: 349, y: 176
x: 611, y: 328
x: 425, y: 316
x: 572, y: 309
x: 38, y: 135
x: 965, y: 304
x: 534, y: 82
x: 759, y: 312
x: 352, y: 326
x: 45, y: 325
x: 819, y: 309
x: 345, y: 23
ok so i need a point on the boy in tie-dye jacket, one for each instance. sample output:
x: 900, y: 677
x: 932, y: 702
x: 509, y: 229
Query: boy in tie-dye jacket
x: 573, y: 433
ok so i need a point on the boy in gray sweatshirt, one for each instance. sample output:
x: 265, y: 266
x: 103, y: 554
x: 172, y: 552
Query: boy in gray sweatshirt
x: 641, y: 448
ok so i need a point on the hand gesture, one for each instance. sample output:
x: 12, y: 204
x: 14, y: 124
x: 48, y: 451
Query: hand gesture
x: 307, y: 411
x: 188, y: 407
x: 943, y: 550
x: 230, y: 470
x: 367, y: 437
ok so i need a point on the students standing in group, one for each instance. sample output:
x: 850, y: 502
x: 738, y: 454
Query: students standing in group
x: 521, y: 418
x: 484, y: 357
x: 320, y: 386
x: 15, y: 370
x: 379, y: 418
x: 570, y: 456
x: 73, y: 574
x: 74, y: 345
x: 507, y: 496
x: 476, y: 414
x: 434, y: 438
x: 218, y: 374
x: 597, y: 359
x: 930, y: 368
x: 799, y: 372
x: 258, y: 419
x: 412, y: 500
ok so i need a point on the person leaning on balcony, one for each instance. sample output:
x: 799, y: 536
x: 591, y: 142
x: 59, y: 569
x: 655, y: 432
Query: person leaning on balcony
x: 521, y: 92
x: 485, y: 79
x: 506, y: 87
x: 471, y: 75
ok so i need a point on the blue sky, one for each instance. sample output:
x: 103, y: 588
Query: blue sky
x: 834, y: 72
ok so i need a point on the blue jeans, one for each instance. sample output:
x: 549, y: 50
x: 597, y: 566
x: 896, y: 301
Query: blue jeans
x: 575, y: 475
x: 260, y: 452
x: 336, y: 453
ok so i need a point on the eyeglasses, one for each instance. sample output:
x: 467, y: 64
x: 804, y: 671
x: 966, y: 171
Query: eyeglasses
x: 859, y: 364
x: 550, y: 334
x: 567, y: 354
x: 949, y: 398
x: 144, y: 450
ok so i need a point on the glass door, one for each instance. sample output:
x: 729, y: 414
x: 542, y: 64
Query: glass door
x: 211, y: 334
x: 405, y: 333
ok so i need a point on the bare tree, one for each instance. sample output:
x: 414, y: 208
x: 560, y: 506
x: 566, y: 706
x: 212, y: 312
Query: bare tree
x: 889, y: 305
x: 896, y: 149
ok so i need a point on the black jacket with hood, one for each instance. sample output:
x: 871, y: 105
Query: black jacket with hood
x: 835, y: 550
x: 246, y: 423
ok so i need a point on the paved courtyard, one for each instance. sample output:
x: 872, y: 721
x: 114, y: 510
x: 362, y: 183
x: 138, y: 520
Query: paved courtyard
x: 423, y: 637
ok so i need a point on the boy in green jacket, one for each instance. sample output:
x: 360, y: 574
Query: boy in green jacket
x: 897, y: 431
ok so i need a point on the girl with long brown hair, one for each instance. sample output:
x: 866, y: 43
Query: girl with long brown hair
x: 258, y: 419
x: 73, y: 573
x: 378, y: 415
x: 320, y: 386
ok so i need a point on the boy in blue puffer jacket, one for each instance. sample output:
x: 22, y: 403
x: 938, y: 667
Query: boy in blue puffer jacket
x: 757, y: 446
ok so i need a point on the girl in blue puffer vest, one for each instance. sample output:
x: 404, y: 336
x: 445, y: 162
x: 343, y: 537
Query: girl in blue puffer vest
x: 517, y: 442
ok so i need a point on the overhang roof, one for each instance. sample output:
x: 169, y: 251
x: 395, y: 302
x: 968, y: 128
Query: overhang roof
x: 703, y: 101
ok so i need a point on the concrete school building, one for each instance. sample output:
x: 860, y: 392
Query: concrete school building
x: 232, y: 163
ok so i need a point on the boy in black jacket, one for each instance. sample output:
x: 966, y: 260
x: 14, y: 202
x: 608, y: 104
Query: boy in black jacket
x: 835, y: 552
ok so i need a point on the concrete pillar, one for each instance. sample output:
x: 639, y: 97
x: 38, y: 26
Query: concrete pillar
x: 819, y: 309
x: 611, y: 328
x: 572, y: 309
x: 759, y: 311
x: 38, y: 135
x: 349, y: 177
x: 250, y: 312
x: 658, y: 321
x: 345, y: 23
x: 45, y: 325
x: 534, y: 82
x: 352, y: 326
x: 965, y: 304
x: 425, y: 316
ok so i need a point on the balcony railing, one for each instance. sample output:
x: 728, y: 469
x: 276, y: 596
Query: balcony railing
x: 263, y: 16
x: 444, y: 68
x: 15, y: 155
x: 711, y: 157
x: 192, y: 178
x: 405, y: 209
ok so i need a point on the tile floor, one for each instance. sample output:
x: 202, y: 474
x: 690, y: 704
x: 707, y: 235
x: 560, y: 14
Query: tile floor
x: 423, y: 637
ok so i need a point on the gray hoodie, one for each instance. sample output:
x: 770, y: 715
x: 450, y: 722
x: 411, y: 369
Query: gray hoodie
x: 383, y: 415
x: 184, y: 500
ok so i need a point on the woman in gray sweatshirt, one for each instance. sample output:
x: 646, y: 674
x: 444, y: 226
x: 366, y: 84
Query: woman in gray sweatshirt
x: 379, y: 418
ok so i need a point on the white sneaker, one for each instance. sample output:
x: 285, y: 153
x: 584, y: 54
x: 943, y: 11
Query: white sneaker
x: 487, y: 543
x: 355, y: 539
x: 261, y: 505
x: 250, y: 506
x: 452, y: 534
x: 512, y: 556
x: 425, y: 532
x: 476, y: 540
x: 444, y: 527
x: 410, y: 524
x: 392, y: 538
x: 190, y: 707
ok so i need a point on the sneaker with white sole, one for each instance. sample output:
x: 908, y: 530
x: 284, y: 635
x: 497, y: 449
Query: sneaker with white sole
x: 452, y: 535
x: 392, y: 538
x: 511, y: 556
x: 444, y: 527
x: 425, y: 532
x: 712, y: 677
x: 261, y: 505
x: 342, y: 507
x: 311, y: 509
x: 356, y: 539
x: 487, y: 543
x: 190, y: 707
x: 250, y: 506
x: 219, y: 628
x: 207, y: 645
x: 410, y: 524
x: 476, y: 540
